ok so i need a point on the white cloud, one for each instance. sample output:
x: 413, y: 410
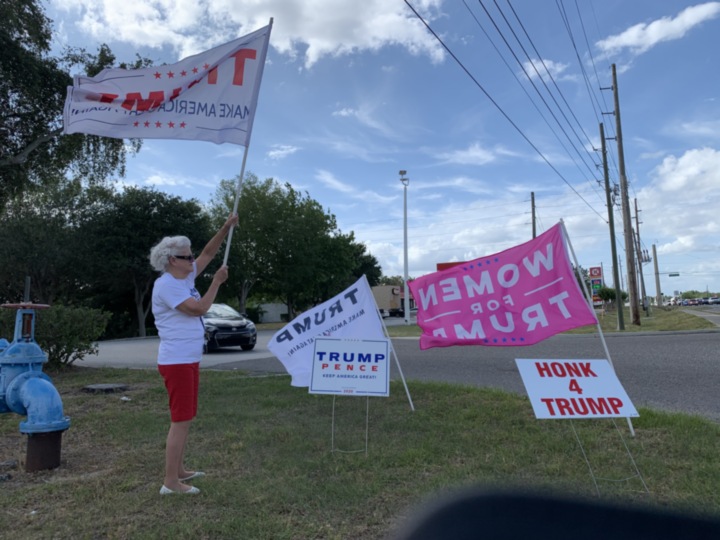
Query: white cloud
x: 709, y: 128
x: 329, y: 180
x: 365, y: 116
x: 230, y: 152
x: 345, y: 112
x: 680, y: 245
x: 543, y: 67
x: 642, y: 37
x: 311, y: 29
x: 459, y: 183
x: 475, y: 154
x: 680, y: 208
x: 281, y: 151
x: 691, y: 175
x: 368, y: 150
x: 163, y: 180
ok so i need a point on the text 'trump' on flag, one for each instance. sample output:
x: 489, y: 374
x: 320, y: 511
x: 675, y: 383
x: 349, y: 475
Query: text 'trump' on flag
x: 352, y: 314
x: 211, y: 96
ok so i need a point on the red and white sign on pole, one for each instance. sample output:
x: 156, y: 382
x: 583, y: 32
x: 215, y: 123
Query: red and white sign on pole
x: 561, y: 389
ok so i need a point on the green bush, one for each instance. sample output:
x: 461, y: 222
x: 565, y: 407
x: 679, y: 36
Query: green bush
x: 64, y: 333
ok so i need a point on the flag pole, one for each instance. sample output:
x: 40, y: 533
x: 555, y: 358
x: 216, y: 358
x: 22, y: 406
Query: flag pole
x: 588, y: 298
x: 238, y: 190
x: 387, y: 335
x: 397, y: 363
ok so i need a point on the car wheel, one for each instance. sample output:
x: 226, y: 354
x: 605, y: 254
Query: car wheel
x: 247, y: 347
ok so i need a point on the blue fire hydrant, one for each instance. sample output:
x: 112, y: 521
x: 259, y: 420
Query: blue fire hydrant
x: 26, y: 390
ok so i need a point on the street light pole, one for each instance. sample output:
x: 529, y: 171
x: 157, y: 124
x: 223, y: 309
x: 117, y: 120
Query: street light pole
x: 406, y: 296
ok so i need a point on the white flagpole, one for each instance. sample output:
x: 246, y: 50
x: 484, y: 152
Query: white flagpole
x: 588, y: 298
x: 397, y: 361
x: 238, y: 190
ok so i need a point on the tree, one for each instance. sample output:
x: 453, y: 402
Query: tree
x: 391, y: 280
x: 365, y: 263
x: 91, y: 246
x: 583, y: 277
x: 32, y: 95
x: 343, y: 263
x: 607, y: 294
x: 37, y: 240
x: 247, y: 258
x: 118, y: 231
x: 286, y: 246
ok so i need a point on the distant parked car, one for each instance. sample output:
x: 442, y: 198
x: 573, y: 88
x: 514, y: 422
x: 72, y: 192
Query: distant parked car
x: 400, y: 312
x: 225, y: 327
x: 714, y: 300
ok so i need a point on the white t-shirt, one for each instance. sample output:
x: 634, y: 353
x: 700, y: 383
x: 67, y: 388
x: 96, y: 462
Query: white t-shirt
x: 181, y: 336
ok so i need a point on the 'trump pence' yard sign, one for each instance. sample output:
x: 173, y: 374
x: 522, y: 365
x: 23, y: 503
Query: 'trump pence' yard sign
x: 351, y: 367
x: 561, y: 389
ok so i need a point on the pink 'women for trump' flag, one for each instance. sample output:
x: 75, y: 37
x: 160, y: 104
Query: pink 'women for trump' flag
x: 519, y: 296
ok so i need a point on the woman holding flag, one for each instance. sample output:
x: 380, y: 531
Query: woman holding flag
x: 178, y: 307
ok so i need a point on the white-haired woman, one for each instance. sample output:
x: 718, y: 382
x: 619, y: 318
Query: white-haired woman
x: 178, y: 307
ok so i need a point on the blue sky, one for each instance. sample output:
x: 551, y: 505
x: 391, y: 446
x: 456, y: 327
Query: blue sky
x: 355, y: 92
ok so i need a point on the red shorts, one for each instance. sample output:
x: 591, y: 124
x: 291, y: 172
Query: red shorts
x: 182, y: 382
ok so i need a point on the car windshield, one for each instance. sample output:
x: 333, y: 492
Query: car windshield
x: 221, y: 311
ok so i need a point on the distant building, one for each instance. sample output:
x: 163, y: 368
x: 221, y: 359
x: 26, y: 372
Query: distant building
x: 389, y: 300
x: 273, y: 312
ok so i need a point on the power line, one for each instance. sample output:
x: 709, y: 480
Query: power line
x: 550, y: 75
x: 522, y: 87
x: 498, y: 107
x: 530, y: 79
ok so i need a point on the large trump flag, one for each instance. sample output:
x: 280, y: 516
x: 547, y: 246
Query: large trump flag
x: 352, y: 314
x: 211, y: 96
x: 517, y: 297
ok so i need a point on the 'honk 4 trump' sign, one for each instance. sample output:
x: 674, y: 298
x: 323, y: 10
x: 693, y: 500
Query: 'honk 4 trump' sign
x: 351, y: 367
x: 562, y: 389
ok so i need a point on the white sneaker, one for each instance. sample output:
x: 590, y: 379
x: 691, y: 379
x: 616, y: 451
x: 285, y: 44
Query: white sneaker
x: 167, y: 491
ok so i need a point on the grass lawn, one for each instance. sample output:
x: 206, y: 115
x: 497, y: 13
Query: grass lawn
x: 664, y: 319
x: 272, y: 473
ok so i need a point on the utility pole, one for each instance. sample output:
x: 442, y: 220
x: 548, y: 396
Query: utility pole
x: 627, y: 220
x: 406, y: 294
x: 532, y: 205
x: 641, y: 259
x: 611, y: 222
x: 658, y: 293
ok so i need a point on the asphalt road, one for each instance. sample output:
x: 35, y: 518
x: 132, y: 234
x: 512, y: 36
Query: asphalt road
x: 673, y: 371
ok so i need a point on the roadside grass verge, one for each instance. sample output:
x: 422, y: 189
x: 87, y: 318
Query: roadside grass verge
x: 266, y: 447
x: 664, y: 319
x: 660, y: 319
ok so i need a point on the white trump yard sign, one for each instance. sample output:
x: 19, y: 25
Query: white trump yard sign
x: 351, y: 367
x: 574, y: 389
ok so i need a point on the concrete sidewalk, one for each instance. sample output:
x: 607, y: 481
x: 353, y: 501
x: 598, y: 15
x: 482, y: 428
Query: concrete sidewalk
x: 712, y: 315
x: 141, y: 353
